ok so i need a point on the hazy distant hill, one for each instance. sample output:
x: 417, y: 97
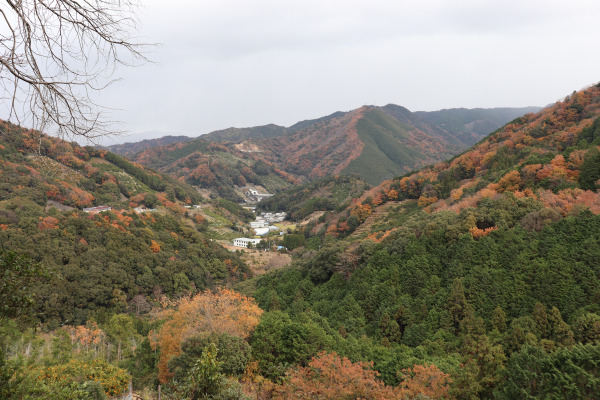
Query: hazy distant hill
x: 240, y: 134
x: 131, y: 148
x: 473, y: 123
x: 263, y: 132
x: 377, y: 143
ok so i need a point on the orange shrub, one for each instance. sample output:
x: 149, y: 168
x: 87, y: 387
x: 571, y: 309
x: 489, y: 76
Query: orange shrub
x: 223, y: 311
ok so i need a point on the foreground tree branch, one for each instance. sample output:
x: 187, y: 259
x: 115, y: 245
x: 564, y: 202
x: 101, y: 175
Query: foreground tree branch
x: 55, y: 53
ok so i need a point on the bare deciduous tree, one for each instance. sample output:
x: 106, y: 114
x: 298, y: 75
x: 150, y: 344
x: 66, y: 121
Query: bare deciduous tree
x: 55, y: 53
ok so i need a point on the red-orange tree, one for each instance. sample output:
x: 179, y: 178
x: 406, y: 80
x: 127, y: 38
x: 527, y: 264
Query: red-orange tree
x: 330, y: 377
x: 426, y: 381
x: 221, y: 311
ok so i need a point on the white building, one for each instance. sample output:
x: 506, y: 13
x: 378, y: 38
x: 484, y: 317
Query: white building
x: 96, y: 210
x: 243, y: 242
x: 257, y: 224
x: 261, y: 231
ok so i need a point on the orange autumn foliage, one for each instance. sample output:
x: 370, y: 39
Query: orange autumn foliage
x: 478, y: 233
x: 426, y: 381
x: 223, y: 311
x: 332, y: 230
x: 456, y: 194
x: 48, y: 223
x: 576, y: 159
x: 362, y: 212
x: 392, y: 194
x: 487, y: 192
x: 565, y: 200
x: 85, y: 336
x: 425, y: 201
x: 330, y: 377
x: 378, y: 237
x: 155, y: 247
x: 509, y: 182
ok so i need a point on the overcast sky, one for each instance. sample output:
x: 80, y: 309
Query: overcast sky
x: 241, y: 63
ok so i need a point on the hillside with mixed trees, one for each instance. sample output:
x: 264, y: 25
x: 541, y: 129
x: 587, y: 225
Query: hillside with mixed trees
x: 322, y: 195
x: 486, y: 266
x: 472, y: 278
x: 102, y: 261
x: 376, y: 143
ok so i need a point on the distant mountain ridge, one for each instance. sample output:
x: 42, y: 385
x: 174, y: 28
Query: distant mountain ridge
x: 131, y: 148
x: 457, y: 121
x: 551, y: 157
x: 474, y: 122
x: 377, y: 143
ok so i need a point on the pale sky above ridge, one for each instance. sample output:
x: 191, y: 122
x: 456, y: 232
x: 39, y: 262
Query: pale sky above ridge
x: 224, y: 63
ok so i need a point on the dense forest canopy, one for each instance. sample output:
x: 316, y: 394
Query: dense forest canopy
x: 474, y: 278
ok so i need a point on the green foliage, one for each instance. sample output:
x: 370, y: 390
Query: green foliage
x: 587, y: 328
x: 9, y: 375
x: 152, y: 181
x: 325, y: 194
x: 444, y: 289
x: 233, y: 354
x: 470, y: 124
x: 18, y: 275
x: 590, y: 169
x: 104, y: 261
x: 143, y: 366
x: 386, y: 152
x: 293, y: 241
x: 533, y: 373
x: 467, y: 287
x: 279, y: 342
x: 205, y: 380
x: 237, y: 210
x: 591, y: 134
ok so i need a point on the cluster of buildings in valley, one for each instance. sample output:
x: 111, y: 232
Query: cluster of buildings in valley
x: 261, y: 226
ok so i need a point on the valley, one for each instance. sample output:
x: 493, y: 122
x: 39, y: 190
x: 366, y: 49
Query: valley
x: 440, y: 255
x: 376, y: 143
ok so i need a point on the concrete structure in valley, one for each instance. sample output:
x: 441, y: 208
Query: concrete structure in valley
x: 243, y: 242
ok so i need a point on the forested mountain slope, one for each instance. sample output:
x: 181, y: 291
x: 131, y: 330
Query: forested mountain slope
x: 376, y: 143
x: 109, y: 260
x: 220, y: 168
x: 470, y: 125
x: 487, y: 266
x: 325, y: 194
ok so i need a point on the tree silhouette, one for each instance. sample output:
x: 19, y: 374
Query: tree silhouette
x: 53, y: 54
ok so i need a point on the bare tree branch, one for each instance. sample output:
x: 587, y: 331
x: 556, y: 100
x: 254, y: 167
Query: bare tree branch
x: 55, y: 53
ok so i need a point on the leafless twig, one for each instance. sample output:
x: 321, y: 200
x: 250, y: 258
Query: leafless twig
x: 55, y: 53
